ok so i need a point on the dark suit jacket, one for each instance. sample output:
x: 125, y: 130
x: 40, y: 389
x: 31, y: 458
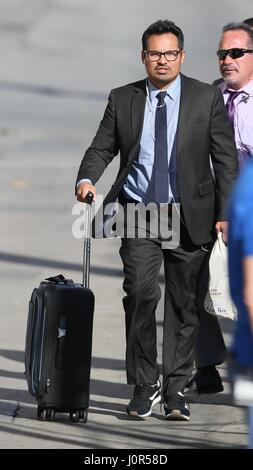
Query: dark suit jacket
x: 203, y: 131
x: 218, y: 81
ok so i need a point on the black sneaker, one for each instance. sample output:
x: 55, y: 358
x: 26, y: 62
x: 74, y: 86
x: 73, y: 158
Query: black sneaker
x: 206, y: 380
x: 145, y: 397
x: 176, y: 409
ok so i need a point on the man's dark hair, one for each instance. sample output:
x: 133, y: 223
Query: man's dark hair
x: 163, y: 27
x: 240, y: 26
x: 249, y: 21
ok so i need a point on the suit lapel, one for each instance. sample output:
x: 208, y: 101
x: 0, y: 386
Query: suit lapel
x: 185, y: 111
x: 137, y: 108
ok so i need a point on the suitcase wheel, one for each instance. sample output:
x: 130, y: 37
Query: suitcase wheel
x: 79, y: 416
x: 45, y: 414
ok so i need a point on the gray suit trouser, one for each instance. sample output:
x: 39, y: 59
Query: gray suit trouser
x: 142, y: 259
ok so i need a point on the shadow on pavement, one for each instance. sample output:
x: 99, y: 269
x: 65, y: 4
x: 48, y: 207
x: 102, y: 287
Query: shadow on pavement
x: 52, y: 91
x: 112, y: 437
x: 49, y: 263
x: 97, y: 362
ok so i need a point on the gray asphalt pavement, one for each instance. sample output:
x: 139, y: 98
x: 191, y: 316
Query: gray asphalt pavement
x: 59, y: 59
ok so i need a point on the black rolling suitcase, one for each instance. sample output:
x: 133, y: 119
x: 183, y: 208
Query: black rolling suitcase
x: 59, y: 341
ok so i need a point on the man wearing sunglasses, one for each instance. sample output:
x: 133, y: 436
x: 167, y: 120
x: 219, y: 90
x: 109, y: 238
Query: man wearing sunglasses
x: 165, y: 127
x: 249, y: 22
x: 235, y: 55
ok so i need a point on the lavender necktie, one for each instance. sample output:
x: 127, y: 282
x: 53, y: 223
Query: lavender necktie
x: 230, y: 105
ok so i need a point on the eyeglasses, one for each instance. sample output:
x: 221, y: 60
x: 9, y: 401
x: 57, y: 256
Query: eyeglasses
x: 234, y: 53
x: 170, y: 56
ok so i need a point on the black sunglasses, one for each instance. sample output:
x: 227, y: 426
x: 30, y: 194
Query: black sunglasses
x: 234, y: 53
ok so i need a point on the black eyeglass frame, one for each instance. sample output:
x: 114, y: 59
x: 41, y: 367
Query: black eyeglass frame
x: 176, y: 52
x: 234, y: 53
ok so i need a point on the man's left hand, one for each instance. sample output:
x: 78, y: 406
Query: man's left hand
x: 222, y: 226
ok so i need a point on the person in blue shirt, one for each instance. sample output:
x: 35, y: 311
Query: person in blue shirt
x: 240, y: 256
x: 240, y: 248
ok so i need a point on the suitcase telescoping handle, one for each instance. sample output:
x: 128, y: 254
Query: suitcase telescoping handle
x: 87, y: 243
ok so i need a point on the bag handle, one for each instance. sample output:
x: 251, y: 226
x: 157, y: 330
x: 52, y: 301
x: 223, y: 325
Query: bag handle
x: 221, y: 243
x: 59, y: 279
x: 87, y: 241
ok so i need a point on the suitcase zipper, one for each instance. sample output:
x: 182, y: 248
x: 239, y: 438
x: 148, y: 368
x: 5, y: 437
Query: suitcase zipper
x: 38, y: 346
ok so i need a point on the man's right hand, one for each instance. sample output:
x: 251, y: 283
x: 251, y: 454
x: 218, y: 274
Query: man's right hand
x: 83, y: 189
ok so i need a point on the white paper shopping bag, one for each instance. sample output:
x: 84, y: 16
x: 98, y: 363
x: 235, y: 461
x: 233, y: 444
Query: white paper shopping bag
x: 218, y: 301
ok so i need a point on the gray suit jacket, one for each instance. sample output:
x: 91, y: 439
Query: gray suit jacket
x: 203, y: 132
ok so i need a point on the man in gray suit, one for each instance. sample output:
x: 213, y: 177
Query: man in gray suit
x: 165, y: 128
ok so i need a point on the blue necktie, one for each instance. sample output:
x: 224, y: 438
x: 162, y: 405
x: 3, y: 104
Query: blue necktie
x: 160, y: 168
